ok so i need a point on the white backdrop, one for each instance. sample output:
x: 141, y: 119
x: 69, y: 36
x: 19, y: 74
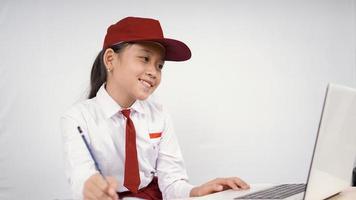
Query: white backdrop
x: 247, y: 104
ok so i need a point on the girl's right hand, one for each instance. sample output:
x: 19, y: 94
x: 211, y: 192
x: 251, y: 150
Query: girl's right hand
x: 97, y: 188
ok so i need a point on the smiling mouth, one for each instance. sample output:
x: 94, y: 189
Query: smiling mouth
x: 147, y: 84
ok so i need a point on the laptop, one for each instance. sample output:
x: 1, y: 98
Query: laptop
x: 333, y: 157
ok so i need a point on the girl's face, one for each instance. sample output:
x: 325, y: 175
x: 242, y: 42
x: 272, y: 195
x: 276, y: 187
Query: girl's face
x: 135, y: 72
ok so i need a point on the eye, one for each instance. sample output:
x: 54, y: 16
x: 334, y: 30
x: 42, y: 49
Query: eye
x: 160, y: 66
x: 145, y: 58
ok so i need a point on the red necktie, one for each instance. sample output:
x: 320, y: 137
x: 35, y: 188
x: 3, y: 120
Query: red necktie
x: 132, y: 176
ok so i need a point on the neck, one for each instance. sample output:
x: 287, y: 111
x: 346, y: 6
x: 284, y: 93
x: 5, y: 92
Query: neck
x: 124, y: 100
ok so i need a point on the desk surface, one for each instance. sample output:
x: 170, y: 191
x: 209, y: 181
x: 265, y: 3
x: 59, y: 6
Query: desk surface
x: 348, y: 194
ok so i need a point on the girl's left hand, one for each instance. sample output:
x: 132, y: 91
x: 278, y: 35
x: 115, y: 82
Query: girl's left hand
x: 219, y: 184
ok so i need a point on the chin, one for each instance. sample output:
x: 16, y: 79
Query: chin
x: 142, y: 97
x: 142, y: 94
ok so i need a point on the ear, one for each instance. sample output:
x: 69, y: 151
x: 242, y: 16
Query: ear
x: 108, y: 58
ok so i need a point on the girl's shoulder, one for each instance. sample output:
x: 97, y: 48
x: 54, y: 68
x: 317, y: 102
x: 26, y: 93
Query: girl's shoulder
x: 77, y: 109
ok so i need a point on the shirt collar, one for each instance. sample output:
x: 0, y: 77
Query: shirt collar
x: 109, y: 105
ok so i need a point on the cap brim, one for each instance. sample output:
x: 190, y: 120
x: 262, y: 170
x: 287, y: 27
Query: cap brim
x: 175, y: 50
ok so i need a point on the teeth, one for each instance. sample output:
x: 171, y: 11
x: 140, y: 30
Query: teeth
x: 146, y: 83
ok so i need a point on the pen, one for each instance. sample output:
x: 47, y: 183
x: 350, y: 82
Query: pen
x: 91, y: 153
x: 89, y: 149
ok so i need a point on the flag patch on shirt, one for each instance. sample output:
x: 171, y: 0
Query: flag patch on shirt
x: 155, y: 135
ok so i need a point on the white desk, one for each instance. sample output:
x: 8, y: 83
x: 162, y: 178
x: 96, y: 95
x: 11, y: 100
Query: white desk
x: 347, y: 194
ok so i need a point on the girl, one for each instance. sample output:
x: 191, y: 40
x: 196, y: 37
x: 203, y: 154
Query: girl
x: 130, y: 136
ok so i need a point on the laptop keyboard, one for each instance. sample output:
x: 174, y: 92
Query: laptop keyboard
x: 276, y: 192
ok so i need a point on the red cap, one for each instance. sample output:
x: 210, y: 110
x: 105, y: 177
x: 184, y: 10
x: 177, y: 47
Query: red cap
x: 135, y: 29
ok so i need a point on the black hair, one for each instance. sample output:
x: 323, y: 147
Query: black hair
x: 99, y: 72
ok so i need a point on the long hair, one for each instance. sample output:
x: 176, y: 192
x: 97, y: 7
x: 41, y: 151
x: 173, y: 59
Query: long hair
x: 98, y: 72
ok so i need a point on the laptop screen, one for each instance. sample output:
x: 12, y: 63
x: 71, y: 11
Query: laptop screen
x: 335, y: 149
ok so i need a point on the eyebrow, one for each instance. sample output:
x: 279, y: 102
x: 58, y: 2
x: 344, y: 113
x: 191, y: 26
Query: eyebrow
x: 146, y: 50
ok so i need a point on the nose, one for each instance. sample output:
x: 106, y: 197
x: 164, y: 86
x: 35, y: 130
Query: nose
x: 151, y: 75
x: 152, y: 71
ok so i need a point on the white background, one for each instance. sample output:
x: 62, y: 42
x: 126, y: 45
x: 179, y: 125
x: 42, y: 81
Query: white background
x: 247, y: 104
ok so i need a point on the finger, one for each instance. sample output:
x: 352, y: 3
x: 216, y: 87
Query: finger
x: 88, y: 195
x: 232, y: 184
x: 94, y: 192
x: 89, y: 190
x: 100, y: 182
x: 115, y: 197
x: 225, y: 182
x: 240, y: 183
x: 112, y: 193
x: 113, y: 184
x: 217, y: 188
x: 101, y: 187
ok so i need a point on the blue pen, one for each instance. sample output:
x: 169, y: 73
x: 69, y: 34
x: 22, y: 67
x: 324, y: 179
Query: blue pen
x: 88, y: 147
x: 91, y: 153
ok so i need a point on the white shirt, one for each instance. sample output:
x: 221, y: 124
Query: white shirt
x: 103, y: 125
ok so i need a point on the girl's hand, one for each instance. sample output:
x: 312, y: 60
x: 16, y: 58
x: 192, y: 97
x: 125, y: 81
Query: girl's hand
x: 96, y: 188
x: 219, y: 184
